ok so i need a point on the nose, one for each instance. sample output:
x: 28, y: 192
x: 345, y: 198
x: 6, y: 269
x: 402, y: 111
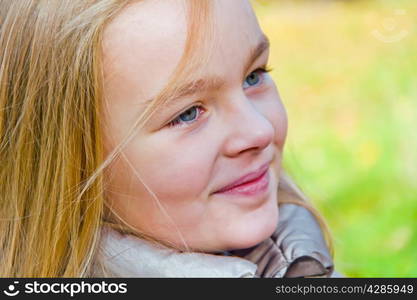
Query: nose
x: 249, y: 129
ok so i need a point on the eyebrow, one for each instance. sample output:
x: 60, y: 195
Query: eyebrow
x: 215, y: 83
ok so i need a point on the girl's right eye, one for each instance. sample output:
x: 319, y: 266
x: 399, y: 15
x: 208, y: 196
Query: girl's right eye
x: 188, y: 117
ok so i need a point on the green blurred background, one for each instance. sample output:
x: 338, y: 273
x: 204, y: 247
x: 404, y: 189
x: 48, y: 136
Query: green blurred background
x: 347, y: 73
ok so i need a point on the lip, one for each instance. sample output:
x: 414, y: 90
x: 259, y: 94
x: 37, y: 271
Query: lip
x: 250, y: 182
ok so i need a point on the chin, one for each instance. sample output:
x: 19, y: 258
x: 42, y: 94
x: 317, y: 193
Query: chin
x: 253, y: 231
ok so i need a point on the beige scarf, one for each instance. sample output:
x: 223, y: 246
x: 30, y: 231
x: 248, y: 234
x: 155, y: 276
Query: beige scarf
x: 296, y: 249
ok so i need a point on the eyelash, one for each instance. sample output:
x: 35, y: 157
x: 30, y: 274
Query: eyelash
x: 174, y: 123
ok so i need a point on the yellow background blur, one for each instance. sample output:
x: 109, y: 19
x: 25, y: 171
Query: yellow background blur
x: 347, y: 74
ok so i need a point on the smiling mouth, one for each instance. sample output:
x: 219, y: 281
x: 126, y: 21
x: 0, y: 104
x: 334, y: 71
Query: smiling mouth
x: 253, y: 187
x: 246, y: 179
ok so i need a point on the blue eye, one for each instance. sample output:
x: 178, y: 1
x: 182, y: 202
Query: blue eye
x: 187, y: 117
x: 192, y: 114
x: 256, y: 77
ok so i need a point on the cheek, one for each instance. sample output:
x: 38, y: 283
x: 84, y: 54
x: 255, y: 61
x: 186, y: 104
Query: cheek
x: 174, y: 171
x: 281, y: 126
x: 277, y: 115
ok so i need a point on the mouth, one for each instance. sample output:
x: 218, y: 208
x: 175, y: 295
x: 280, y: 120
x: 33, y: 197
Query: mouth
x: 251, y: 184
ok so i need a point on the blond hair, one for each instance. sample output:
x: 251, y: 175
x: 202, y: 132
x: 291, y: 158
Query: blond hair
x: 52, y: 201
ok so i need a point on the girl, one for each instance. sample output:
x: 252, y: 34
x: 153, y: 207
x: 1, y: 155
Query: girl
x: 145, y: 139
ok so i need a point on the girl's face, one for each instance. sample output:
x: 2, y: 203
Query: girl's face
x: 201, y: 142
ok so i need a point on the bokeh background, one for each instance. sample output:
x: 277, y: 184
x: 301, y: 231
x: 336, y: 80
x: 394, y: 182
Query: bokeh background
x: 347, y: 73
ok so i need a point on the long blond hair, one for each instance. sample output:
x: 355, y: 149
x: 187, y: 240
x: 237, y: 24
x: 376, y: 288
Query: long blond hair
x: 52, y: 201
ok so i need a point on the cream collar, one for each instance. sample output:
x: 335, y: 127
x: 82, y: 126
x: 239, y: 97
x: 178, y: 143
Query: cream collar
x: 129, y: 256
x: 296, y: 249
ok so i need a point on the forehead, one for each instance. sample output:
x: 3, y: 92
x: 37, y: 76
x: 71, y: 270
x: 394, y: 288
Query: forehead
x: 144, y: 43
x: 140, y: 36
